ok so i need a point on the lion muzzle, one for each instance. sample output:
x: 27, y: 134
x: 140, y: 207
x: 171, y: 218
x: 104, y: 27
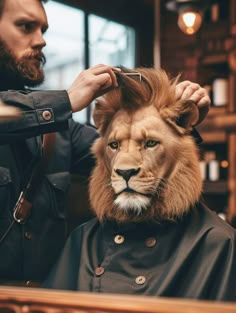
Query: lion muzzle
x: 126, y: 174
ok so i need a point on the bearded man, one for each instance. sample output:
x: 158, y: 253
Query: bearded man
x: 30, y: 246
x: 25, y: 72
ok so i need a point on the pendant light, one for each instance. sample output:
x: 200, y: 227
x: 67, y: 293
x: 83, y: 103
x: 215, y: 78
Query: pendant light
x: 190, y: 13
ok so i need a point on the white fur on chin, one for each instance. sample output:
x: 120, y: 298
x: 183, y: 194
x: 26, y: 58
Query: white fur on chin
x: 132, y: 202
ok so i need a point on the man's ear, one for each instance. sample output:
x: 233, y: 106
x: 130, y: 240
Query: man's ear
x: 188, y: 114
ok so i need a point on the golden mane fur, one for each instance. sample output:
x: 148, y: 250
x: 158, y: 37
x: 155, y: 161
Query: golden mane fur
x: 145, y: 134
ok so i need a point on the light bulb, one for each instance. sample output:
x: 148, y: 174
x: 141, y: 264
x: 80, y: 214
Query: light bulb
x: 189, y: 22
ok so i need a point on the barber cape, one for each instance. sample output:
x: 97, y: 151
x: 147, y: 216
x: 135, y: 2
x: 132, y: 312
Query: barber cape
x: 193, y: 257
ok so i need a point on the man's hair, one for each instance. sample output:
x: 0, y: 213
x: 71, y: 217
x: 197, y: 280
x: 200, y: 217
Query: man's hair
x: 2, y: 3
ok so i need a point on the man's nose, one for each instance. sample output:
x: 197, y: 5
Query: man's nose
x: 38, y: 40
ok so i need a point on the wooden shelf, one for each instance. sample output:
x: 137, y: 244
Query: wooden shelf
x: 213, y: 59
x: 213, y: 137
x: 215, y: 187
x: 219, y: 122
x: 217, y: 110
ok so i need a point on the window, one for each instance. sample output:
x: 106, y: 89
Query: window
x: 65, y: 45
x: 108, y: 42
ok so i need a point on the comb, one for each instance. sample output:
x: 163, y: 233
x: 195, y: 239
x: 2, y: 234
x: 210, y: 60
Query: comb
x: 134, y: 74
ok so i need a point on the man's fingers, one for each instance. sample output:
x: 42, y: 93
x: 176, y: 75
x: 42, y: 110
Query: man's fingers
x: 96, y: 70
x: 198, y: 95
x: 204, y: 106
x: 102, y: 92
x: 204, y: 101
x: 181, y: 87
x: 189, y: 91
x: 114, y: 78
x: 8, y: 113
x: 91, y: 83
x: 106, y: 80
x: 105, y: 74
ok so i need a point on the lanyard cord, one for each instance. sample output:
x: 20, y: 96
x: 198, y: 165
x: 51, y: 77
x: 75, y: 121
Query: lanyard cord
x: 7, y: 231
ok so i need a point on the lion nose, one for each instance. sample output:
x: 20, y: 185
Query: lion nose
x: 126, y: 174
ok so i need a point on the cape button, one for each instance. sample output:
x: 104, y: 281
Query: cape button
x: 47, y: 115
x: 140, y: 280
x: 28, y: 235
x: 150, y: 242
x: 28, y: 283
x: 119, y: 239
x: 99, y: 271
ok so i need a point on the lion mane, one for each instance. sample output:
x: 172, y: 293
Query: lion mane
x: 147, y: 162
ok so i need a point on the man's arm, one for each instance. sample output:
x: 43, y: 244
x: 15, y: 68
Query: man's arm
x: 40, y: 112
x: 49, y: 111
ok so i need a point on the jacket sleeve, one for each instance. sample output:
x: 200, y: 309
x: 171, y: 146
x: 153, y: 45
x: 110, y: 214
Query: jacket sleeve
x: 82, y: 138
x: 42, y: 112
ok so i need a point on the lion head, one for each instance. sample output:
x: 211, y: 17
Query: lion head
x: 147, y: 161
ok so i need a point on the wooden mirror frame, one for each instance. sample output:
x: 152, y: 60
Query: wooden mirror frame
x: 35, y: 300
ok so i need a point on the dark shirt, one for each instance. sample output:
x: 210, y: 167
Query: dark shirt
x: 29, y: 250
x: 194, y: 257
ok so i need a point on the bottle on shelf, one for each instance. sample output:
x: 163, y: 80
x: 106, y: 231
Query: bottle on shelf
x: 210, y: 167
x: 220, y: 94
x: 215, y: 12
x: 203, y: 169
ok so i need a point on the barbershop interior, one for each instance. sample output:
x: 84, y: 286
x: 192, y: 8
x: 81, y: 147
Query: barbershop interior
x: 152, y: 35
x: 193, y: 38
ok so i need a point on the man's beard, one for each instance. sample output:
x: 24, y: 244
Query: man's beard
x: 26, y: 71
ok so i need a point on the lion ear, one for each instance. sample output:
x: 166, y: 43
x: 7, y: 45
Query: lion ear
x: 188, y: 114
x: 102, y: 115
x: 97, y: 118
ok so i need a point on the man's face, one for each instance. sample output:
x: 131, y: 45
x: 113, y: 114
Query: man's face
x: 22, y: 25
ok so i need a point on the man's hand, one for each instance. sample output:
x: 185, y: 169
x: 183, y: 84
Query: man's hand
x: 187, y: 90
x: 8, y: 113
x: 90, y: 84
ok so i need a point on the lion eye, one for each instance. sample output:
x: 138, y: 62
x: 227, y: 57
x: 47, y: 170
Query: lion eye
x: 113, y: 145
x: 150, y: 143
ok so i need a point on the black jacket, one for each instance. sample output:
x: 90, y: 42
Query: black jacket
x: 194, y: 257
x: 29, y: 250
